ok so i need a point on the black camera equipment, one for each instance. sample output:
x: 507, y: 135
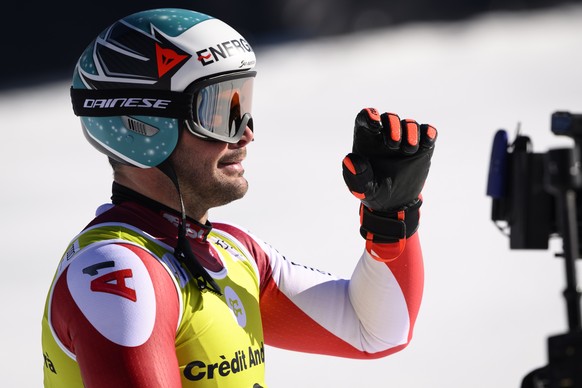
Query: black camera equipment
x: 533, y: 200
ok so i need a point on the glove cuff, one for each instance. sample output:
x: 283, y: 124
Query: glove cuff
x: 386, y: 227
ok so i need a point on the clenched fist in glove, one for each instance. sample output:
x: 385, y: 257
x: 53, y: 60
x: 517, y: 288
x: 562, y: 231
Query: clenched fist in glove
x: 386, y: 170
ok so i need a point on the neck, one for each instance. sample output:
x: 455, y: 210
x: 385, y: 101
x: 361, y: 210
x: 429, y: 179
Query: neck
x: 157, y: 186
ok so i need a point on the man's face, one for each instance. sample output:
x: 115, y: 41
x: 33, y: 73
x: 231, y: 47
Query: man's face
x: 210, y: 173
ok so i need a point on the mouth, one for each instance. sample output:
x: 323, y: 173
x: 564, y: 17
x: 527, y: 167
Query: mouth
x: 232, y: 164
x: 230, y: 160
x: 225, y: 163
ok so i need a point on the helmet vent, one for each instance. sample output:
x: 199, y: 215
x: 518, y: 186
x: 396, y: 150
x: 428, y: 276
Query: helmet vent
x: 139, y: 126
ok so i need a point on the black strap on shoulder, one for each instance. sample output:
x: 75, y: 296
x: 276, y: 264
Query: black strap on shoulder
x: 131, y: 102
x: 183, y: 251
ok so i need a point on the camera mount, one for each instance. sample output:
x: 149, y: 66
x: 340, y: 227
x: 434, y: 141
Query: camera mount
x: 535, y: 195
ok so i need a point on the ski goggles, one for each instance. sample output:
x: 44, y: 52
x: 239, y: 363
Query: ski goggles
x: 221, y: 106
x: 216, y: 108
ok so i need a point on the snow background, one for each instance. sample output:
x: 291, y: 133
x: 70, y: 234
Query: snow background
x: 487, y: 311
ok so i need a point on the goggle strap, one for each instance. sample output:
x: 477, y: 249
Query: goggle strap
x: 131, y: 102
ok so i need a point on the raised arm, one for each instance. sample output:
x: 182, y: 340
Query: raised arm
x: 372, y: 314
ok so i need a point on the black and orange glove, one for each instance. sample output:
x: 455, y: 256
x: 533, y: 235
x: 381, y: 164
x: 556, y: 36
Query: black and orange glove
x: 386, y: 170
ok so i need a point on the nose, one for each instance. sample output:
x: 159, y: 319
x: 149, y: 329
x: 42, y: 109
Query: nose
x: 247, y: 137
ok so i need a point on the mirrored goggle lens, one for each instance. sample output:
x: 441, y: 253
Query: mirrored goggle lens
x: 222, y: 109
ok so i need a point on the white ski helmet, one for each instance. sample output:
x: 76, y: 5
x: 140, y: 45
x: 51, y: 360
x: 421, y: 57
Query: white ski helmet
x: 153, y: 72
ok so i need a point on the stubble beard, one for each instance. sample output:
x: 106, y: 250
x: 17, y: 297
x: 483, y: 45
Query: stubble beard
x: 202, y: 191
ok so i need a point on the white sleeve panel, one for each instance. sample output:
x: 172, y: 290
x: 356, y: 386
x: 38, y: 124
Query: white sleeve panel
x: 379, y: 303
x: 368, y: 311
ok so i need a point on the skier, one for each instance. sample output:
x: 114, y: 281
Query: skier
x: 151, y: 293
